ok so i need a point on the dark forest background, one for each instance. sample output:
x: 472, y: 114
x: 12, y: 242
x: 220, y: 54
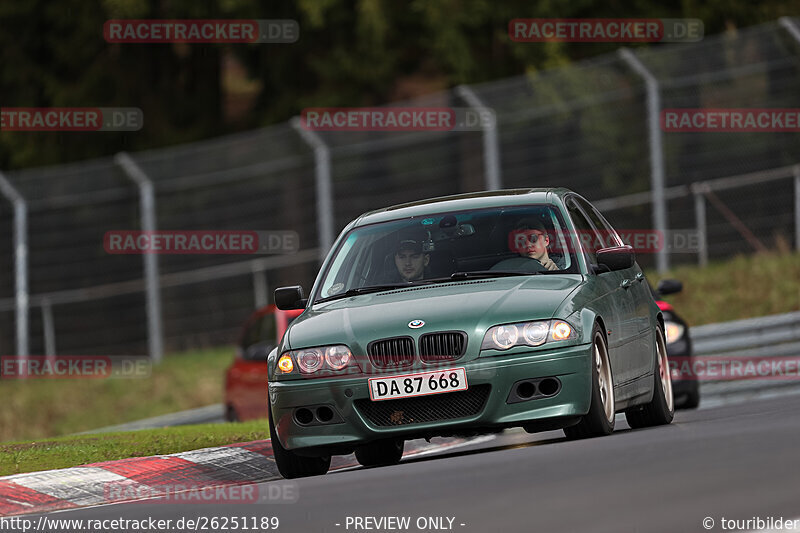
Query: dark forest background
x: 350, y: 52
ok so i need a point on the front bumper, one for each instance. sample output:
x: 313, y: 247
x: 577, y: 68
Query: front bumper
x: 571, y: 365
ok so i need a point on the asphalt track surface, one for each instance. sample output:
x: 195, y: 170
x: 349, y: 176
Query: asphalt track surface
x: 736, y: 461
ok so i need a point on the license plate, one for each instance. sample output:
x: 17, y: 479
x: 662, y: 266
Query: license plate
x: 421, y: 384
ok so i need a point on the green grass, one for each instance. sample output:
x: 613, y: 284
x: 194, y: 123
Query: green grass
x: 741, y: 287
x: 35, y: 409
x: 64, y: 452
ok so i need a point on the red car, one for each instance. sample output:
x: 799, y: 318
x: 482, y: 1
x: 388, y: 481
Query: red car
x: 246, y: 378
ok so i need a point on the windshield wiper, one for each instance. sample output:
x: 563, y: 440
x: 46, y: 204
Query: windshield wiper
x: 478, y: 274
x: 363, y: 290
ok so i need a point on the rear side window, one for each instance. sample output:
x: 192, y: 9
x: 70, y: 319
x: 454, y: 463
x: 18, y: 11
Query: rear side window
x: 252, y: 334
x: 259, y: 339
x: 586, y: 234
x: 262, y: 330
x: 610, y: 237
x: 269, y: 330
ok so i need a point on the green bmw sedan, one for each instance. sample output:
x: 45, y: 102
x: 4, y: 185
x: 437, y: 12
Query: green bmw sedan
x: 465, y: 315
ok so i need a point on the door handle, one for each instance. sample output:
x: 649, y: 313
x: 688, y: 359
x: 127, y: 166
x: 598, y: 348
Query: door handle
x: 626, y: 284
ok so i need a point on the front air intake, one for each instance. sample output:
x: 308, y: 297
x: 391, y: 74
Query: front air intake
x: 442, y: 346
x: 397, y: 352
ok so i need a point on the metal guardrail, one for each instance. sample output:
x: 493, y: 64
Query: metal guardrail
x: 770, y: 336
x: 209, y: 414
x: 767, y: 336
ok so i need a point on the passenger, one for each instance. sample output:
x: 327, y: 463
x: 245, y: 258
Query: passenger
x: 530, y: 240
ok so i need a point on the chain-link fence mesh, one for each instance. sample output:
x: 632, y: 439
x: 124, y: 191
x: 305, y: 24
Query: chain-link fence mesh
x: 584, y: 126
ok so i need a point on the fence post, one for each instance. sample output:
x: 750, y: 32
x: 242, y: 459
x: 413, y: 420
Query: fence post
x: 790, y: 26
x: 700, y: 221
x: 797, y: 206
x: 794, y: 31
x: 491, y: 146
x: 656, y: 151
x: 322, y: 171
x: 49, y: 329
x: 20, y: 264
x: 260, y: 287
x: 147, y: 204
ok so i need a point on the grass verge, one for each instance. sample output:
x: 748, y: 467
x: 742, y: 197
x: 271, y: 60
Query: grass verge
x: 40, y: 408
x: 745, y: 286
x: 76, y: 450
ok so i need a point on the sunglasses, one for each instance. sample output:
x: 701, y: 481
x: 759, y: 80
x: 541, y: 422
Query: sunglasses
x: 528, y: 236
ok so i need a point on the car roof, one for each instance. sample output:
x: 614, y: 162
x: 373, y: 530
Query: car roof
x: 459, y: 202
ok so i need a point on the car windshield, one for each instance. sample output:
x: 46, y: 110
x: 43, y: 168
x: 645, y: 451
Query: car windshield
x: 489, y: 242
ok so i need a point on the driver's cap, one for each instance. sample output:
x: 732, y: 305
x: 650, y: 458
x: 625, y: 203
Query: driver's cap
x: 409, y: 244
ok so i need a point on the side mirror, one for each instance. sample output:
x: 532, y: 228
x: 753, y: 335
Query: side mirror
x: 669, y: 286
x: 616, y: 258
x: 288, y: 298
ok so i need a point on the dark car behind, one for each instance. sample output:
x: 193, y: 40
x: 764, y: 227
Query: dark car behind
x: 679, y: 345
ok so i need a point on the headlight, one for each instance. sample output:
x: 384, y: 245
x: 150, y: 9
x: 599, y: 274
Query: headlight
x: 673, y: 331
x: 337, y: 357
x: 504, y: 337
x: 533, y: 334
x: 309, y: 361
x: 313, y: 360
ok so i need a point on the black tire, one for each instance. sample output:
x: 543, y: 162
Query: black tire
x: 597, y: 422
x: 381, y: 453
x: 290, y: 465
x: 661, y: 408
x: 692, y: 400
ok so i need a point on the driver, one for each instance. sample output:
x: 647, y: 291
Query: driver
x: 530, y: 240
x: 409, y: 259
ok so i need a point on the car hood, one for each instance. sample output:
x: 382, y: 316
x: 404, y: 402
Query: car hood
x: 470, y: 306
